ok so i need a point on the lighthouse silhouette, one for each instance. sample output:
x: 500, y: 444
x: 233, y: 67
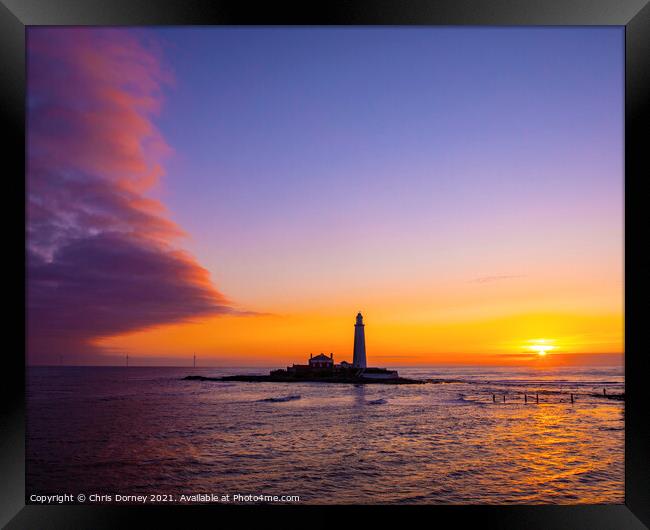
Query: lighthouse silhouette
x: 359, y: 357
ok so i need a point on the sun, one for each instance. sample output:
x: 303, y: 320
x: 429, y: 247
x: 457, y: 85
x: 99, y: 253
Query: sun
x: 540, y: 346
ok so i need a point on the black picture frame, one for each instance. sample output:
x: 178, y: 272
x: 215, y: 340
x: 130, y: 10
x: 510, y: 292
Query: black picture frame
x: 15, y: 15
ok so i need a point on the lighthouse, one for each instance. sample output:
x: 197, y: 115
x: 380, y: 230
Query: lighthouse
x: 322, y: 368
x: 359, y: 357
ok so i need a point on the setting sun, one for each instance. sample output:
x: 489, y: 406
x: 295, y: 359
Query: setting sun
x: 541, y: 346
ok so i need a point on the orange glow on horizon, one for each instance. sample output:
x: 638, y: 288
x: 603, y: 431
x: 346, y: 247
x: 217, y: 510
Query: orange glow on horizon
x: 285, y: 339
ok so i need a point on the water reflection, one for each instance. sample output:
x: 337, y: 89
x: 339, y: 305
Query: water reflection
x: 97, y: 430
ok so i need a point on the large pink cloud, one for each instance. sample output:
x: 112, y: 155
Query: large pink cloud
x: 101, y: 254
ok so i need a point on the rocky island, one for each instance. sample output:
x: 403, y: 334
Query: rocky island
x: 322, y: 369
x: 283, y: 376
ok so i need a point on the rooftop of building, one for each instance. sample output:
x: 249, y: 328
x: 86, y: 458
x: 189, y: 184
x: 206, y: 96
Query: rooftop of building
x: 320, y: 357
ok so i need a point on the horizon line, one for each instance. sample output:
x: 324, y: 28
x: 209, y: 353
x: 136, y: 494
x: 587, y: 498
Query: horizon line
x: 419, y: 365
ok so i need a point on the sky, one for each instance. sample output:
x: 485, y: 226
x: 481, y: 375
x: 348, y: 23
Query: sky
x: 240, y: 193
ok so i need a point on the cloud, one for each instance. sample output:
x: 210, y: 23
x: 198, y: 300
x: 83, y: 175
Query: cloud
x: 102, y: 258
x: 496, y: 278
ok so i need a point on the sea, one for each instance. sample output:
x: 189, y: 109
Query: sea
x: 474, y: 435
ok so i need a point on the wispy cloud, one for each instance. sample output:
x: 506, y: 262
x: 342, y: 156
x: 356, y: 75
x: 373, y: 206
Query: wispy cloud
x: 496, y: 278
x: 101, y: 254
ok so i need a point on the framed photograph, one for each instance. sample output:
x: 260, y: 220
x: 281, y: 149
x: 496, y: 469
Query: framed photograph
x: 366, y: 259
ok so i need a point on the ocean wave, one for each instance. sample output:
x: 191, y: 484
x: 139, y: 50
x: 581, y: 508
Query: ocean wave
x: 278, y: 399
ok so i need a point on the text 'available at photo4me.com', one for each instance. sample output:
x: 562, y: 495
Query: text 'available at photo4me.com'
x: 162, y: 498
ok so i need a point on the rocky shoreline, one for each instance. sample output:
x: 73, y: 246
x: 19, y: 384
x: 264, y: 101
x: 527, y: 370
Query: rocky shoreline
x: 312, y: 379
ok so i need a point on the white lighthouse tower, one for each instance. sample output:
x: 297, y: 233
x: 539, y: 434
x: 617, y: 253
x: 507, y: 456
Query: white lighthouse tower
x: 359, y: 357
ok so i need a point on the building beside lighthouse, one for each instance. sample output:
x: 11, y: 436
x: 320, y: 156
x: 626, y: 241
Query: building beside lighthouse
x: 323, y: 366
x: 321, y: 361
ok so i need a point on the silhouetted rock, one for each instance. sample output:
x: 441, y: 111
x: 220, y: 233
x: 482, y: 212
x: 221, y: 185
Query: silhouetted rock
x: 321, y: 378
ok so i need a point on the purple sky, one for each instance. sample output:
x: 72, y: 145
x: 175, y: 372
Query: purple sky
x: 318, y: 170
x: 292, y: 145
